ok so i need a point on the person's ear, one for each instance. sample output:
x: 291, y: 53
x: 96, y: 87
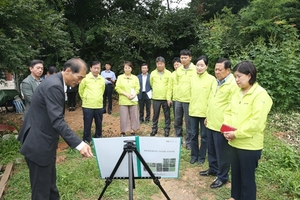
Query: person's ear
x: 68, y: 70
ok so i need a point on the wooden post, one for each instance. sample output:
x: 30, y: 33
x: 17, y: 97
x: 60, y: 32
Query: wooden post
x: 4, y: 179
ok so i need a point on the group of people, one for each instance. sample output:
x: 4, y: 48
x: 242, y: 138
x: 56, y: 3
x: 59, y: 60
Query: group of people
x: 204, y: 101
x: 36, y: 76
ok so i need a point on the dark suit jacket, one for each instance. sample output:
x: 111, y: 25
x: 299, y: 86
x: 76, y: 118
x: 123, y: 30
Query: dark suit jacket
x: 148, y: 87
x: 45, y: 122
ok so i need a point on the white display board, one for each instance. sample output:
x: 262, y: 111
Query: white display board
x: 162, y: 154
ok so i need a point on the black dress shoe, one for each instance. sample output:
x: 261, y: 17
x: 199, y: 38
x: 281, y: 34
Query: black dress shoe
x: 200, y: 162
x: 152, y: 134
x: 207, y: 173
x: 193, y: 160
x: 217, y: 183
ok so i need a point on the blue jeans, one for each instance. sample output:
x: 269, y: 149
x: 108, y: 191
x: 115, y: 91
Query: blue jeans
x: 196, y: 152
x: 88, y: 116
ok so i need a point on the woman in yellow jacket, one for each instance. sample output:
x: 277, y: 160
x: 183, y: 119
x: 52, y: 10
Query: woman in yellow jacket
x: 200, y: 90
x: 248, y: 113
x: 128, y: 87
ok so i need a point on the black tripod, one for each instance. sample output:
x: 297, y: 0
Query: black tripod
x: 129, y: 147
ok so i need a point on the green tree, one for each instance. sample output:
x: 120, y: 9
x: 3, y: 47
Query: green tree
x: 120, y: 30
x: 267, y: 39
x: 30, y: 30
x: 209, y: 8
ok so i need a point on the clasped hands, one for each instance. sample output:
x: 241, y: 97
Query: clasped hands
x: 229, y: 135
x: 130, y: 96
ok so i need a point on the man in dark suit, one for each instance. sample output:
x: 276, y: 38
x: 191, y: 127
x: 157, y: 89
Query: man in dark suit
x: 145, y: 93
x: 44, y: 124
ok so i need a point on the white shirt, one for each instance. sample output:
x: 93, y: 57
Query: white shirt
x: 144, y: 80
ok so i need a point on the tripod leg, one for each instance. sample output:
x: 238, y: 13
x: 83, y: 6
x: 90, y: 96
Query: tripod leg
x: 110, y: 178
x: 130, y: 174
x: 155, y: 179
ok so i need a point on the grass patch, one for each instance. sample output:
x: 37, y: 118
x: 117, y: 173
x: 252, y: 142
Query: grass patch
x: 277, y: 175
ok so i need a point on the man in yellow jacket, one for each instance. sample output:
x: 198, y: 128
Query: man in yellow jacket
x: 91, y: 91
x: 159, y: 81
x: 218, y: 148
x: 183, y: 78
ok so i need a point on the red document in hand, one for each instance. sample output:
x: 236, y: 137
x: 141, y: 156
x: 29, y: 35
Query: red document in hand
x: 226, y: 128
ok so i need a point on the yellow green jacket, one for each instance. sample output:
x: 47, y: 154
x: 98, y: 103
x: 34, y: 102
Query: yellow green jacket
x: 248, y: 114
x: 201, y: 86
x: 183, y: 78
x: 125, y: 84
x: 218, y: 101
x: 91, y: 91
x: 160, y: 85
x: 173, y: 86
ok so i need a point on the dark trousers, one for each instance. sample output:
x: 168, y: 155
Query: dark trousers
x: 72, y: 99
x: 43, y: 181
x: 108, y: 95
x: 243, y: 165
x: 88, y: 116
x: 196, y: 152
x: 144, y: 102
x: 157, y: 104
x: 173, y: 105
x: 182, y: 109
x: 218, y: 154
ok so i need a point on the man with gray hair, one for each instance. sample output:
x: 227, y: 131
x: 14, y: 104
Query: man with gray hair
x: 44, y: 124
x: 159, y: 81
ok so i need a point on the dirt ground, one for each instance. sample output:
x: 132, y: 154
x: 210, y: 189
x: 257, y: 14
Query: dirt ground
x: 185, y: 187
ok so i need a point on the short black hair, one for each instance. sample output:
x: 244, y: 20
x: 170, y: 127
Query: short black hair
x: 34, y: 62
x: 109, y: 63
x: 226, y: 61
x: 176, y: 59
x: 247, y: 67
x: 52, y: 69
x: 185, y: 52
x: 128, y: 63
x: 96, y: 62
x: 204, y: 58
x: 144, y: 64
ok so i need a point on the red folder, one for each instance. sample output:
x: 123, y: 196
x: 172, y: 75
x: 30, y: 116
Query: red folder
x: 226, y: 128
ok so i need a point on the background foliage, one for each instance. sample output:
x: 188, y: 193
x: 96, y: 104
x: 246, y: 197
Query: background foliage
x: 265, y: 32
